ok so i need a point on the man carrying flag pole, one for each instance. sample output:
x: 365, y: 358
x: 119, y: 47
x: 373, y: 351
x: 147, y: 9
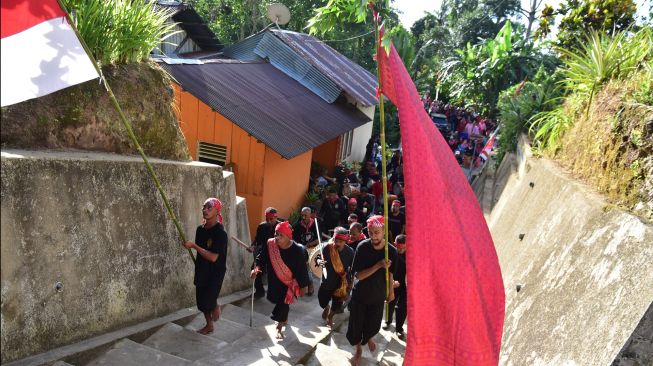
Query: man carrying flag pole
x: 42, y: 52
x: 456, y: 296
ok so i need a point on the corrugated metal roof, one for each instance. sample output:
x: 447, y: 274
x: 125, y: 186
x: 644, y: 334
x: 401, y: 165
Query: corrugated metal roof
x: 285, y: 59
x: 268, y: 104
x: 351, y: 77
x: 264, y: 45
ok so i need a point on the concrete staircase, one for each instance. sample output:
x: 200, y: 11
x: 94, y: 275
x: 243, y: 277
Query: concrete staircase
x: 307, y: 341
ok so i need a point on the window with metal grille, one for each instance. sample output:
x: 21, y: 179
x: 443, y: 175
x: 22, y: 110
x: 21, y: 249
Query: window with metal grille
x: 212, y: 153
x: 346, y: 141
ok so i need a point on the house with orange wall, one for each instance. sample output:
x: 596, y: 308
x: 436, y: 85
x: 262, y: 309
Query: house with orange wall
x: 264, y: 126
x: 266, y: 107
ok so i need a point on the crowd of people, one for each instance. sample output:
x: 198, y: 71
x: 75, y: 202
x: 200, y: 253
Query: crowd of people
x: 467, y: 131
x: 340, y: 239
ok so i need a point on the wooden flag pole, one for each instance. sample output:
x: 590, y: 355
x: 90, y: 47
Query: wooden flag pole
x: 384, y: 174
x: 130, y: 131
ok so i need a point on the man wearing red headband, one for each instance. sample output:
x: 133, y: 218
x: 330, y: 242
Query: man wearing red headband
x: 369, y: 293
x: 335, y: 287
x: 211, y: 262
x: 400, y: 288
x: 287, y: 273
x: 264, y: 232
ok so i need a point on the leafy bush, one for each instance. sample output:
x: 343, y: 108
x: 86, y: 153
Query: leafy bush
x: 587, y: 69
x: 120, y: 31
x: 541, y: 94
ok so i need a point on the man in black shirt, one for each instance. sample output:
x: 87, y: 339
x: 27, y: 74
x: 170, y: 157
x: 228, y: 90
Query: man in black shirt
x: 305, y: 233
x: 369, y: 293
x: 332, y: 211
x: 352, y: 209
x: 355, y: 235
x: 335, y: 287
x: 211, y: 262
x: 365, y: 203
x: 287, y: 273
x: 264, y: 231
x: 396, y: 220
x: 400, y: 288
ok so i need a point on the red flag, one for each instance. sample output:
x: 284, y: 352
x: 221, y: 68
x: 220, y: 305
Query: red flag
x: 40, y: 51
x: 455, y: 290
x: 485, y: 153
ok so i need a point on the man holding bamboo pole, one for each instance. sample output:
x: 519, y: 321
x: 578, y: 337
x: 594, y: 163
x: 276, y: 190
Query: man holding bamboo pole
x: 211, y: 264
x: 369, y: 293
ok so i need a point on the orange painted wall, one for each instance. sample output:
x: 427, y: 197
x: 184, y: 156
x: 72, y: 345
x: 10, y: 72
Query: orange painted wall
x: 286, y: 181
x: 327, y: 154
x: 263, y: 177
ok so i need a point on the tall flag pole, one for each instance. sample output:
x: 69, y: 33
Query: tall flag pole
x: 57, y: 57
x: 384, y: 174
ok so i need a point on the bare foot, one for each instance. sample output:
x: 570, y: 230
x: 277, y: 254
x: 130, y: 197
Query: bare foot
x: 206, y: 330
x: 215, y: 315
x: 357, y: 356
x: 371, y: 345
x: 330, y: 319
x: 280, y: 330
x: 325, y: 312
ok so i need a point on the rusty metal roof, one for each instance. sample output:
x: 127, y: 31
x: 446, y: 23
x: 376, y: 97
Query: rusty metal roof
x: 267, y: 103
x: 359, y: 83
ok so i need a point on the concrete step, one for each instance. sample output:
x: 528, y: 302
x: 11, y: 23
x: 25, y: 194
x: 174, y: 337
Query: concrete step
x: 225, y: 330
x: 394, y: 352
x: 336, y: 350
x: 177, y: 341
x: 129, y: 353
x: 240, y: 315
x: 328, y: 356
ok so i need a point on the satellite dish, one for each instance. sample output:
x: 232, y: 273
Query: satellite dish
x: 278, y: 14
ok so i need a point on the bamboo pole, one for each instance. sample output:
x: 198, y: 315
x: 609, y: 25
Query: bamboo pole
x: 384, y: 177
x: 130, y: 131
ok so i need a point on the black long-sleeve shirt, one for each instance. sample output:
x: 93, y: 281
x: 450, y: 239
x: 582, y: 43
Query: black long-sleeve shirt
x: 293, y: 257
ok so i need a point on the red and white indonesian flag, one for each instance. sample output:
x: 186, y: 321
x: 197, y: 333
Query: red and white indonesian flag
x: 40, y: 51
x: 488, y: 147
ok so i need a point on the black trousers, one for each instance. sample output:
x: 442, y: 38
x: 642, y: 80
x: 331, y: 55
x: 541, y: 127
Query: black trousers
x: 324, y: 296
x: 206, y: 296
x: 364, y: 322
x: 280, y: 312
x: 400, y: 305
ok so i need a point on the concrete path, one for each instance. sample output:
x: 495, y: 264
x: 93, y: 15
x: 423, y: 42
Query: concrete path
x: 307, y: 341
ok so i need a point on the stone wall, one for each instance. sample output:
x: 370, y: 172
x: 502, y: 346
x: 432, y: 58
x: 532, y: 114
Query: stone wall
x: 95, y: 224
x: 577, y: 271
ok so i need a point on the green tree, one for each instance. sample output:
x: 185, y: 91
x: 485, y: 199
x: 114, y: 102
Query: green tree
x: 581, y: 16
x: 478, y: 73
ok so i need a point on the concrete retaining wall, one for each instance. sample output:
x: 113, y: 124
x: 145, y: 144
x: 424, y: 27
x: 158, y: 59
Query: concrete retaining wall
x: 95, y: 224
x: 584, y: 268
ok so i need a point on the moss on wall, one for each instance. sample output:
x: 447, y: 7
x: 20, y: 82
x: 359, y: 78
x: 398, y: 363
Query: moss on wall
x: 611, y: 147
x: 82, y: 116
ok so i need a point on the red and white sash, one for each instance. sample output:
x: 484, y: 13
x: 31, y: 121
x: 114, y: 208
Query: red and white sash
x: 283, y: 273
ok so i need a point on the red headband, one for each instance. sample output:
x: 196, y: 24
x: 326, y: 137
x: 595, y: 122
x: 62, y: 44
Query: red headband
x: 396, y: 203
x: 270, y: 214
x: 284, y: 228
x: 375, y: 221
x: 214, y: 202
x: 344, y: 237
